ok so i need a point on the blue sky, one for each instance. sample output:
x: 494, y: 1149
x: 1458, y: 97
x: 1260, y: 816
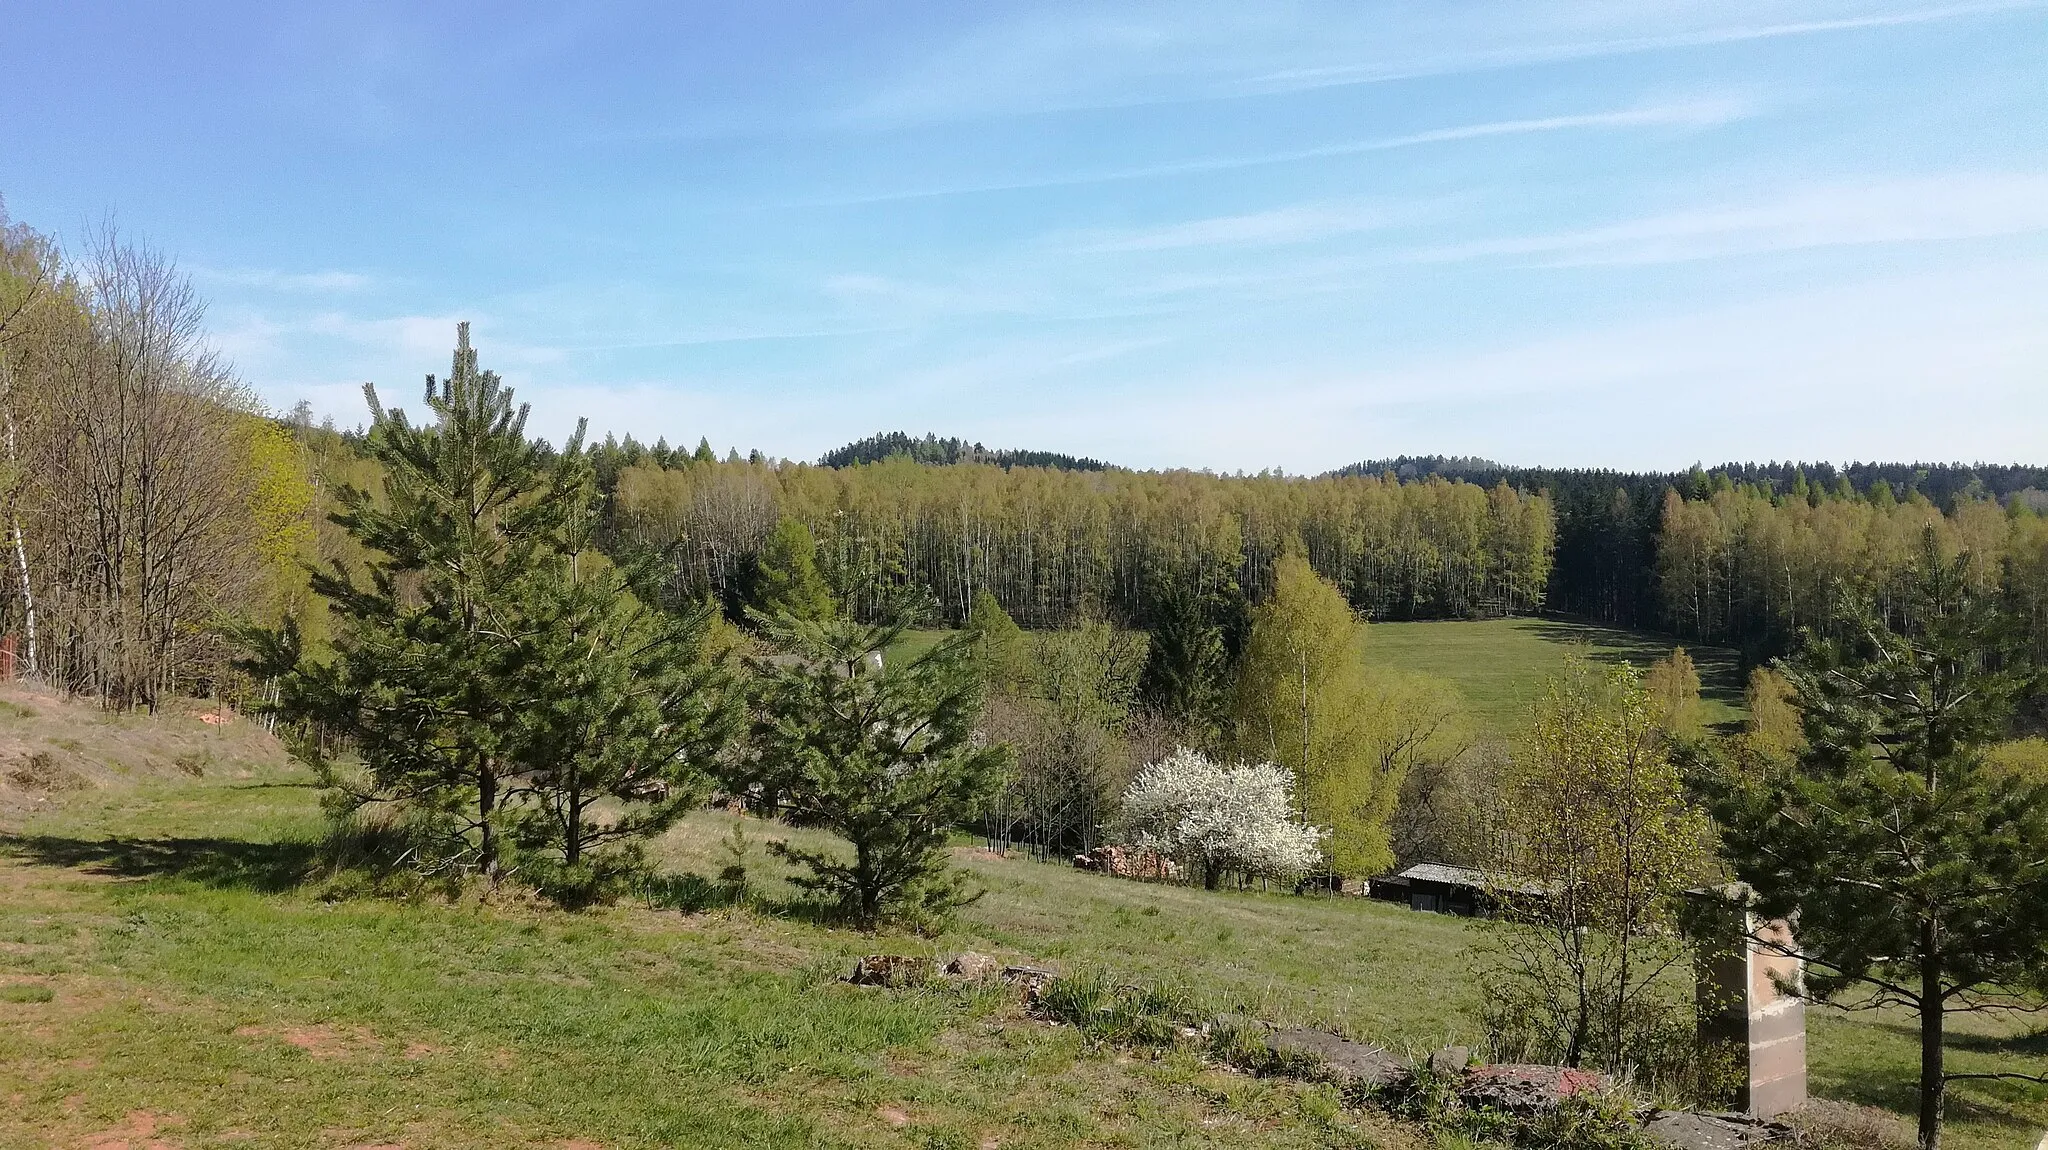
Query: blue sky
x: 1237, y: 235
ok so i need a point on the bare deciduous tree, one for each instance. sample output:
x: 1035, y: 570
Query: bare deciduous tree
x: 132, y: 479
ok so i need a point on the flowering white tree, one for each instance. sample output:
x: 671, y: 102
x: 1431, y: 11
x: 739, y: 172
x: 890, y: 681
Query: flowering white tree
x: 1235, y: 817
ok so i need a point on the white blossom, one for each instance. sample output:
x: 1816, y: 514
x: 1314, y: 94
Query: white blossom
x: 1217, y: 817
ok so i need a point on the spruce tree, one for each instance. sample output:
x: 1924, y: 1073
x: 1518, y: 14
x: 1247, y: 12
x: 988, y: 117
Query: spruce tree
x: 1187, y: 662
x: 1001, y: 650
x: 1918, y: 871
x: 786, y: 578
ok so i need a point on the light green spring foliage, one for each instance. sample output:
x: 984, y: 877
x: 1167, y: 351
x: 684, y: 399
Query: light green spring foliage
x: 1596, y: 805
x: 1774, y: 725
x: 1047, y: 543
x: 787, y: 570
x: 1064, y: 703
x: 1001, y: 649
x: 281, y: 499
x: 1713, y: 555
x: 1597, y: 821
x: 1673, y: 684
x: 1088, y: 674
x: 1305, y: 701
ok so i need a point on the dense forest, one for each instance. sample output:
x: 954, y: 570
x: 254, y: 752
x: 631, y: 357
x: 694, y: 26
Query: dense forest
x: 1050, y: 543
x: 1610, y: 524
x: 1743, y: 555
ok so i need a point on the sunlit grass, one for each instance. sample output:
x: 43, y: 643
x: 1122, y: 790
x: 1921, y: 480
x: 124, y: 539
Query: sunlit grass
x: 157, y: 955
x: 1499, y: 665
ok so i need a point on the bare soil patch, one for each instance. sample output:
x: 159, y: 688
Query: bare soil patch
x: 137, y: 1131
x: 319, y: 1041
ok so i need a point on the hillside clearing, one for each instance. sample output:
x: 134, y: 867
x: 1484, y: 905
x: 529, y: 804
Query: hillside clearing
x: 199, y: 990
x: 1499, y: 665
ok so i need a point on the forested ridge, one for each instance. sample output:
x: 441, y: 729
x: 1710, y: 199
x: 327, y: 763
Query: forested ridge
x: 1046, y: 543
x: 1743, y: 554
x: 1610, y: 524
x: 932, y: 449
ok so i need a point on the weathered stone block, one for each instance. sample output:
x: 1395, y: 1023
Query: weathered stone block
x: 1345, y: 1062
x: 1694, y: 1130
x: 1527, y: 1090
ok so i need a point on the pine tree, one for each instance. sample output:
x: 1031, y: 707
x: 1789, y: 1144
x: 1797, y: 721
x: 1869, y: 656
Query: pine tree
x: 885, y: 758
x: 786, y: 577
x: 1919, y: 874
x: 470, y: 510
x: 626, y: 708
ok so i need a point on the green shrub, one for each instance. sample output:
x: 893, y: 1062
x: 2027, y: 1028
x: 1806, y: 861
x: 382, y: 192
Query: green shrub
x: 1665, y: 1058
x: 1586, y: 1122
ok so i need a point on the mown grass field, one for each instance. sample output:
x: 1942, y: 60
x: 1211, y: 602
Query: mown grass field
x: 1499, y: 665
x: 167, y: 978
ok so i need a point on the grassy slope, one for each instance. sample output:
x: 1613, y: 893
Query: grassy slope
x: 199, y: 996
x: 1500, y: 664
x: 197, y: 989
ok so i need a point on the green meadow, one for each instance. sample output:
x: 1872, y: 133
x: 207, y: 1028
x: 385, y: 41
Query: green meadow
x: 1499, y: 665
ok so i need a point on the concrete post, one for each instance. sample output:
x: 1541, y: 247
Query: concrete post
x: 1747, y: 983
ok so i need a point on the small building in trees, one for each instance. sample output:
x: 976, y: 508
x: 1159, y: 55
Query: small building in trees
x: 1444, y: 889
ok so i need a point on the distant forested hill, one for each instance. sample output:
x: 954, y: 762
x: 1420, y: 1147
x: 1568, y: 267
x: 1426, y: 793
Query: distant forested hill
x: 1939, y: 482
x: 932, y: 449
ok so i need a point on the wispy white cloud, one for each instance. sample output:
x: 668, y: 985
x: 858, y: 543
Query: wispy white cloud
x: 1290, y: 225
x: 269, y: 279
x: 1706, y: 112
x: 1190, y: 50
x: 1946, y: 207
x: 1761, y: 378
x: 1523, y: 55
